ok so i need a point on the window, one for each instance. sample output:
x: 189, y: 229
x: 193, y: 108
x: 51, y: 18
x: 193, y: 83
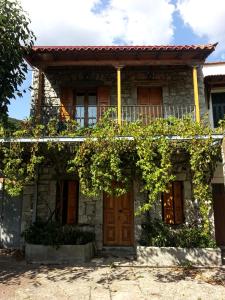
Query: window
x: 218, y: 107
x: 172, y: 204
x: 67, y: 202
x: 86, y: 108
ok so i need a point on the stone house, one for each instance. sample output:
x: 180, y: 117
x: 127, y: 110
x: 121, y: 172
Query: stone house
x: 142, y: 82
x: 214, y: 81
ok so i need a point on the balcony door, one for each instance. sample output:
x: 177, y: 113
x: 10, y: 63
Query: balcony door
x: 149, y: 100
x: 86, y: 107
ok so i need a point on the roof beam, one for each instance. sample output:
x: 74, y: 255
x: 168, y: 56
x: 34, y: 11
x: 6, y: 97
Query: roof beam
x: 135, y: 62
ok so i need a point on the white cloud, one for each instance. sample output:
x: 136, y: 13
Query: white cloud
x: 206, y: 18
x: 75, y: 22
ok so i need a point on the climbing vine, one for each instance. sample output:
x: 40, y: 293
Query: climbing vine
x: 110, y: 158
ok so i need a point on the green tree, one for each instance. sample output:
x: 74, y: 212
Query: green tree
x: 16, y: 40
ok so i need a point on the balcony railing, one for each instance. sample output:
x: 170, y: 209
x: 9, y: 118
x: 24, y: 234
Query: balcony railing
x: 89, y: 115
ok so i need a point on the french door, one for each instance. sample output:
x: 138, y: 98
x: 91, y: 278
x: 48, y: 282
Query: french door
x: 86, y: 108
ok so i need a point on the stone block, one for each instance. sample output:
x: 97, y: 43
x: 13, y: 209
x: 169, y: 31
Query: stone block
x: 63, y: 254
x: 172, y: 256
x: 28, y: 190
x: 90, y: 209
x: 43, y: 187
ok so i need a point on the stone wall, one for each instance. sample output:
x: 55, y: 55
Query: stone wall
x: 190, y: 209
x: 176, y: 82
x: 39, y: 200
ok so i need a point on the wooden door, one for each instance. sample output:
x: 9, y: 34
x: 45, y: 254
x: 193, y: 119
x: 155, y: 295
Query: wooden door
x: 118, y: 220
x: 219, y: 212
x: 150, y: 100
x: 149, y: 95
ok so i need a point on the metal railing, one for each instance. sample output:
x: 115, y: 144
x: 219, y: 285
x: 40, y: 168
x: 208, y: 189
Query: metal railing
x: 147, y: 113
x: 89, y: 115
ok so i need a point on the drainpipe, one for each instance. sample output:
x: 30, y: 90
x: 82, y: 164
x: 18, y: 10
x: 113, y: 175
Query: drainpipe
x: 119, y: 102
x: 196, y: 97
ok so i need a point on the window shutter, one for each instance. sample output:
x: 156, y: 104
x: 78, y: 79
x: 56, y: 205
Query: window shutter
x: 178, y: 202
x: 173, y: 204
x: 72, y: 202
x: 168, y: 212
x: 143, y: 95
x: 149, y: 95
x: 66, y: 111
x: 103, y: 100
x: 155, y: 95
x: 103, y: 95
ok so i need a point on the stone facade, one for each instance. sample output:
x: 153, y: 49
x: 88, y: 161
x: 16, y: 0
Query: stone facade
x: 39, y: 199
x: 176, y: 83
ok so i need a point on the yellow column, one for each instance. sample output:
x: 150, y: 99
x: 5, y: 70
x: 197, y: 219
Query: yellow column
x: 196, y: 98
x: 119, y: 104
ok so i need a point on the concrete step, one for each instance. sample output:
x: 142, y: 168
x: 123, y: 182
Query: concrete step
x: 125, y: 252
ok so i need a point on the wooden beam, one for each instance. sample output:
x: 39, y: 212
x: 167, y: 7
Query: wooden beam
x: 38, y: 101
x: 139, y: 62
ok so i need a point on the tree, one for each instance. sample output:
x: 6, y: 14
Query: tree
x: 16, y: 41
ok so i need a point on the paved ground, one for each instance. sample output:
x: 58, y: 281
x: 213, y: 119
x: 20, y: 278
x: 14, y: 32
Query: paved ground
x: 103, y: 279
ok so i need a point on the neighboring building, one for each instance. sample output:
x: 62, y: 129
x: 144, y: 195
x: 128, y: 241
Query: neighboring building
x: 214, y: 77
x: 80, y: 82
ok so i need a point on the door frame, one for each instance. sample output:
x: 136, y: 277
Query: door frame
x: 131, y: 191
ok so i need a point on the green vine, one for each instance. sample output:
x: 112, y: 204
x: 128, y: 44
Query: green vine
x: 107, y: 161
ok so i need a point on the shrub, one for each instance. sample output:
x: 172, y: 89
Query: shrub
x: 156, y: 233
x: 52, y: 233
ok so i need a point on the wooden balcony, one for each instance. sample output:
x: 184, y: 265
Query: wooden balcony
x: 89, y: 115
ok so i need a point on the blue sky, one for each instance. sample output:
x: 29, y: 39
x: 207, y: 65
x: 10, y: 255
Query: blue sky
x: 134, y: 22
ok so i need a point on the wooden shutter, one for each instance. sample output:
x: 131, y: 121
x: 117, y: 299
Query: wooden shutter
x: 149, y: 95
x: 66, y: 111
x: 155, y: 95
x: 103, y: 95
x: 103, y: 101
x: 173, y: 204
x: 178, y: 202
x: 72, y: 202
x: 168, y: 211
x: 143, y: 96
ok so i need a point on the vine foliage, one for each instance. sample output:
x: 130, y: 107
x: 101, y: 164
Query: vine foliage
x: 109, y: 160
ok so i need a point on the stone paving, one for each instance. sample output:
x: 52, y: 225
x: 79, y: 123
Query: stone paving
x: 108, y: 279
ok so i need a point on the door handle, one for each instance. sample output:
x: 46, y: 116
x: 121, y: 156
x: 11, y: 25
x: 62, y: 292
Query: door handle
x: 120, y: 210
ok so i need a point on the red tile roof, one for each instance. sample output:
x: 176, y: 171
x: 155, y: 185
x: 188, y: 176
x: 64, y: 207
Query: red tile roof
x: 44, y: 56
x: 168, y: 48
